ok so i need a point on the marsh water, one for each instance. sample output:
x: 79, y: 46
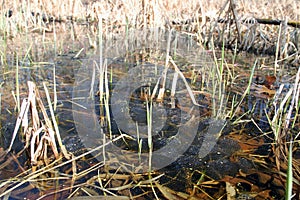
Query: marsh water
x: 67, y: 61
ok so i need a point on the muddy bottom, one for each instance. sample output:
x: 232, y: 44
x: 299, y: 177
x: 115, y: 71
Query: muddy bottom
x: 215, y: 153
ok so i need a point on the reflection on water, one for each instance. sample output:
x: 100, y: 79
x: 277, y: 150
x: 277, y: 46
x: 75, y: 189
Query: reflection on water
x: 55, y: 62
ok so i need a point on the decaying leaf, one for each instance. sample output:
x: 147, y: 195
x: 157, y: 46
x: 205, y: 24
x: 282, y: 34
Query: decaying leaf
x: 262, y: 90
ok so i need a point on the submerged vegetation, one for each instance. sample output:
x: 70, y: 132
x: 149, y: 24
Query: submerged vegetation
x: 236, y: 64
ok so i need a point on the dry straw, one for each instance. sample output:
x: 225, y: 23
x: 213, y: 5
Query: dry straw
x: 268, y: 26
x: 258, y: 26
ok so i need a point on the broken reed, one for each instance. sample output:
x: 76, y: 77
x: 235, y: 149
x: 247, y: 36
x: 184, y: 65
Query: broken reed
x: 246, y: 45
x: 217, y: 18
x: 38, y: 131
x: 57, y: 164
x: 17, y: 85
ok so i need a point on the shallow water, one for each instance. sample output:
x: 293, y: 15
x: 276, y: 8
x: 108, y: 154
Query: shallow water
x: 61, y: 63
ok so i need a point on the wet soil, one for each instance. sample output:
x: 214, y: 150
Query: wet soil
x: 229, y: 157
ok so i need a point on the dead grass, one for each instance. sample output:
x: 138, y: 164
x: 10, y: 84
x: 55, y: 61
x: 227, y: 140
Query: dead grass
x: 34, y: 19
x: 201, y: 17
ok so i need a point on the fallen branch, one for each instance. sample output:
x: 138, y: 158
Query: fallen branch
x: 295, y: 24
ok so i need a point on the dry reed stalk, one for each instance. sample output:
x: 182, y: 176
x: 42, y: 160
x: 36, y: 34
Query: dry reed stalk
x: 53, y: 166
x: 282, y: 123
x: 189, y: 90
x: 62, y: 147
x: 294, y: 102
x: 38, y: 144
x: 173, y: 89
x: 190, y: 16
x: 161, y: 91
